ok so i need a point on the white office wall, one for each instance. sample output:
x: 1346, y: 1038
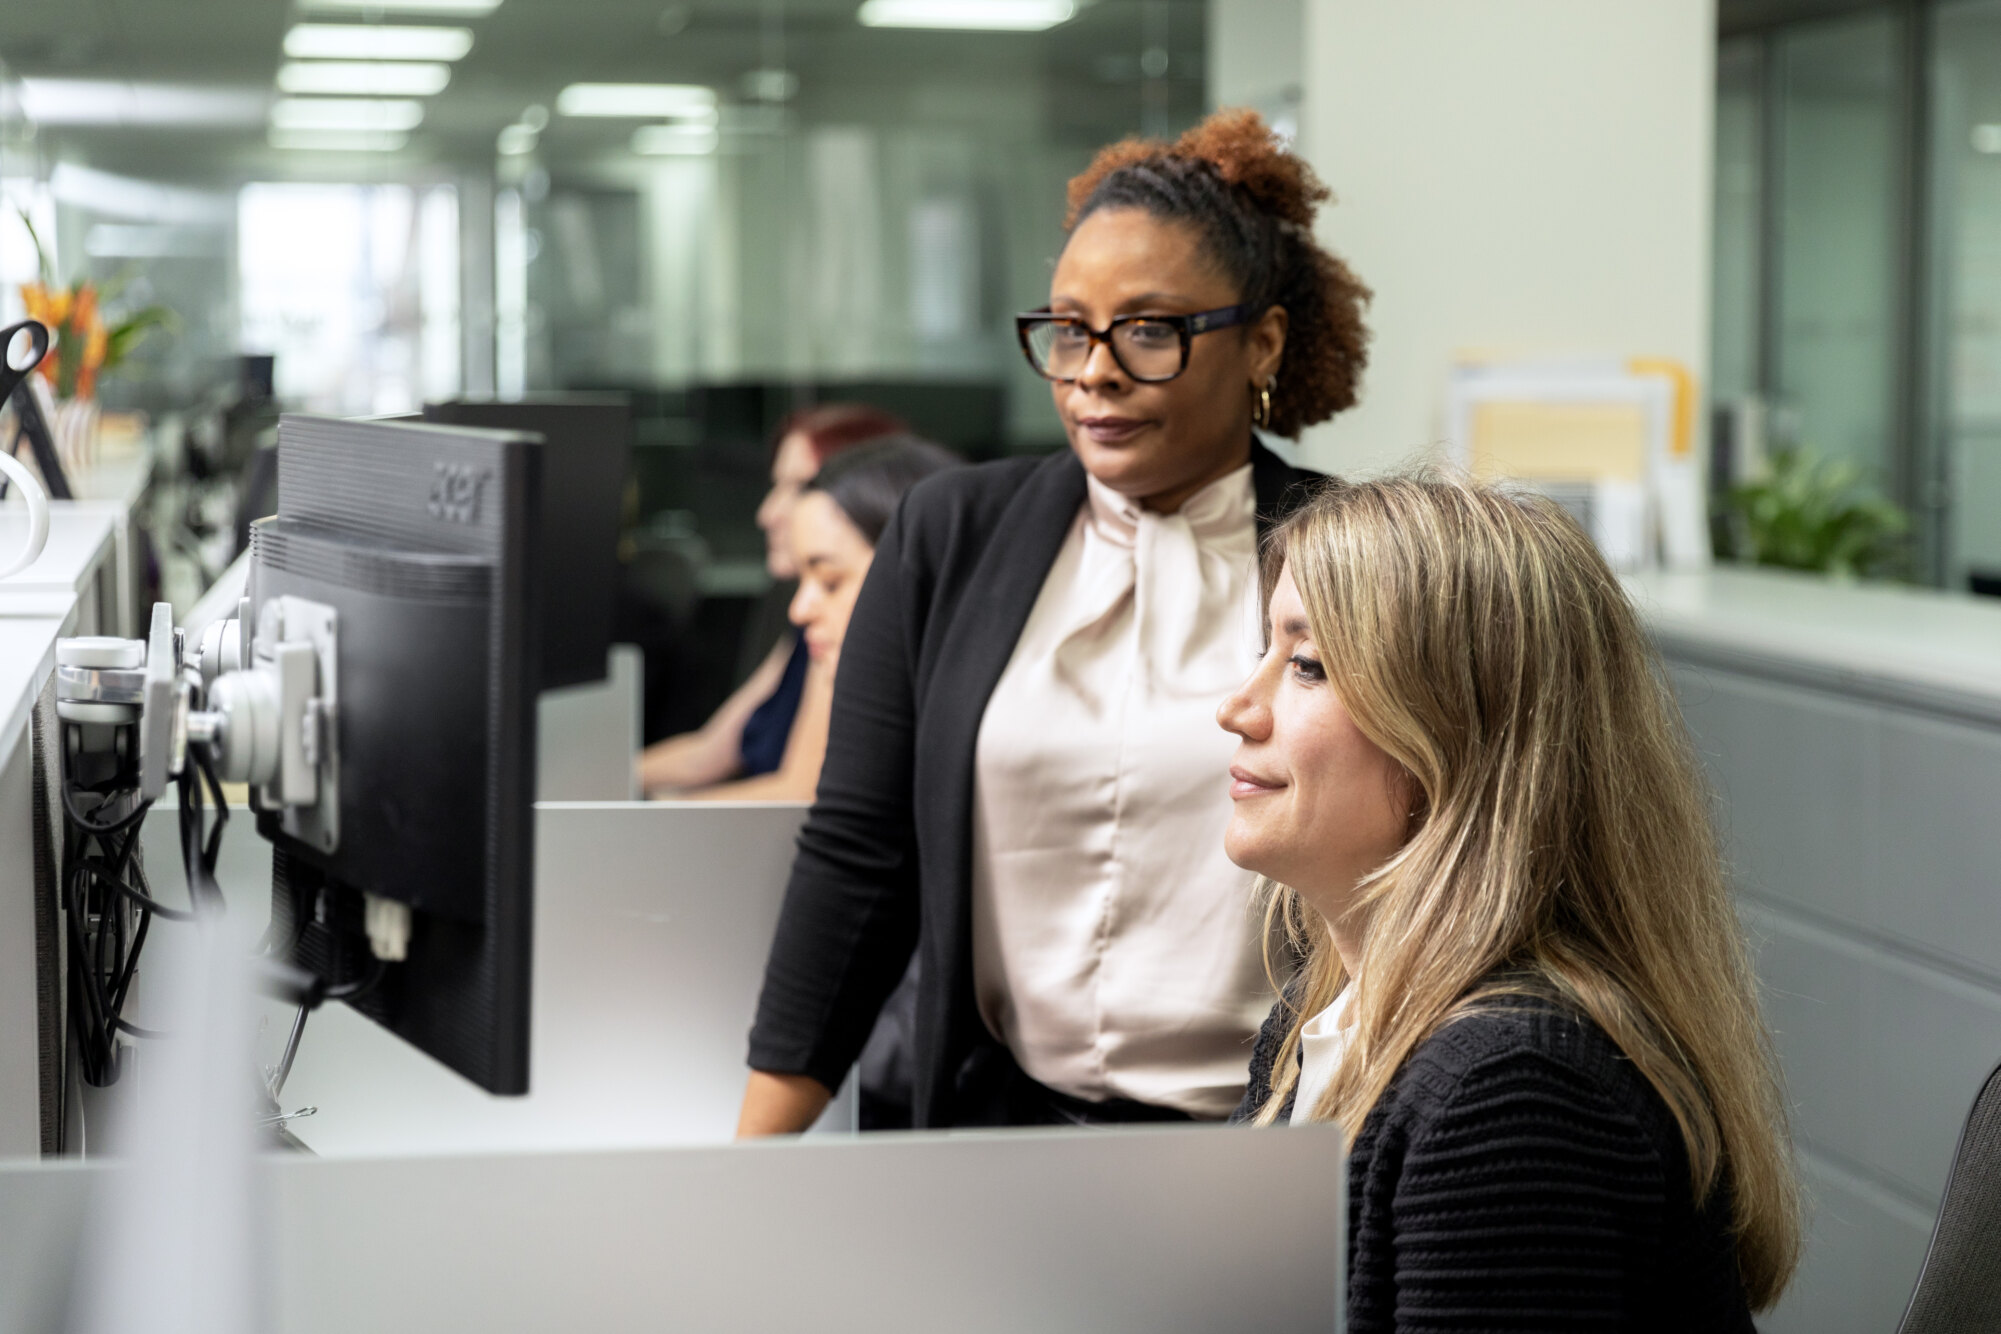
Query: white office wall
x: 1528, y: 177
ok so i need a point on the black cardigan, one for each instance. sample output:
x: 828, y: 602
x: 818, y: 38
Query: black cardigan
x: 1521, y: 1174
x: 884, y: 862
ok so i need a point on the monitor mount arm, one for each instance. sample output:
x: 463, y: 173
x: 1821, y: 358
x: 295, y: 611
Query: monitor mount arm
x: 265, y: 712
x: 262, y: 707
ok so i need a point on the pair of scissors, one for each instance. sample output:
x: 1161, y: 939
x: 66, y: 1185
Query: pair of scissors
x: 10, y: 374
x: 11, y: 469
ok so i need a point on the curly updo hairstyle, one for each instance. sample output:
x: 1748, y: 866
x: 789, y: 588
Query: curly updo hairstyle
x: 1252, y: 202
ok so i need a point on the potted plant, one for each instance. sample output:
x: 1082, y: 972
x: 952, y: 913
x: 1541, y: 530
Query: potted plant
x: 82, y: 346
x: 1811, y: 513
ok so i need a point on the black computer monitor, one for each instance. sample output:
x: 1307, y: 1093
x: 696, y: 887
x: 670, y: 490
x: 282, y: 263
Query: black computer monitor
x: 589, y: 438
x: 424, y: 541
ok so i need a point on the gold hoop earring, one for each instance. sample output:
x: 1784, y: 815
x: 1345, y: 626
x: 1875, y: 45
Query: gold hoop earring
x: 1261, y: 417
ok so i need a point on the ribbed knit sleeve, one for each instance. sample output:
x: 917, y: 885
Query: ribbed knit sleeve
x: 1522, y: 1176
x: 1258, y: 1087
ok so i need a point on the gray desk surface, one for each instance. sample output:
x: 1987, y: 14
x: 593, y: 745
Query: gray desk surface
x: 1886, y: 641
x: 30, y: 624
x: 652, y: 923
x: 81, y: 535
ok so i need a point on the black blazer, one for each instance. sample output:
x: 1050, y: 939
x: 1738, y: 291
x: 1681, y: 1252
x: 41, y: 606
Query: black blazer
x: 884, y: 860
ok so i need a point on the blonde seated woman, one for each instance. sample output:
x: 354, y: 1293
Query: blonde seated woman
x: 831, y: 535
x: 1521, y: 988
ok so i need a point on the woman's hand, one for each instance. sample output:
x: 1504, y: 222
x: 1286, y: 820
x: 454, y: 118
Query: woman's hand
x: 780, y: 1104
x: 715, y: 752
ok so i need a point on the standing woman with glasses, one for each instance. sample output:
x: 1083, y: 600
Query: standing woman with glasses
x: 1023, y: 782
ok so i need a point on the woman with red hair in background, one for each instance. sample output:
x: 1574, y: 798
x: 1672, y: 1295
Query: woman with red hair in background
x: 752, y: 735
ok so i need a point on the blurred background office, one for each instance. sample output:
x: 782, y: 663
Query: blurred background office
x: 728, y: 210
x: 734, y: 208
x: 1754, y: 245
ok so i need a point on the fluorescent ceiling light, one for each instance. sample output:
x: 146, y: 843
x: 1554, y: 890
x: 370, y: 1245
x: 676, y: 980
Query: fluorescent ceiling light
x: 380, y: 78
x: 1987, y: 138
x: 126, y: 240
x: 112, y: 196
x: 375, y: 41
x: 338, y: 141
x: 988, y: 15
x: 346, y: 113
x: 674, y: 140
x: 637, y: 100
x: 114, y: 102
x: 471, y: 9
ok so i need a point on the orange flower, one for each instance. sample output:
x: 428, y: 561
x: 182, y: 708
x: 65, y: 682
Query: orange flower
x: 83, y: 310
x: 78, y: 340
x: 48, y: 305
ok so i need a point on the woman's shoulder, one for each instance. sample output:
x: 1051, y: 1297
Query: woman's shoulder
x: 950, y: 516
x: 1524, y: 1057
x: 956, y: 494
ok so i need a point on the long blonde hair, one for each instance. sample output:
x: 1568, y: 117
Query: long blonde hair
x: 1560, y: 844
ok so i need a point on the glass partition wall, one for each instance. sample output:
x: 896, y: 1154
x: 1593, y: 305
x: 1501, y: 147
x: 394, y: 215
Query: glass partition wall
x: 1856, y: 302
x: 1965, y: 147
x: 861, y: 219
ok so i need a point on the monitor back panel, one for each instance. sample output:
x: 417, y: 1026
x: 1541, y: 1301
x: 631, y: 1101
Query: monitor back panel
x: 422, y: 538
x: 588, y: 450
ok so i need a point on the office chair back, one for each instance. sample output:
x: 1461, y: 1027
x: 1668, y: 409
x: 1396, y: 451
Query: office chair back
x: 1959, y: 1288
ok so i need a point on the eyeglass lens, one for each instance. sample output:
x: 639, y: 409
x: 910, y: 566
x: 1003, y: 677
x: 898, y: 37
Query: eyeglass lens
x: 1147, y: 349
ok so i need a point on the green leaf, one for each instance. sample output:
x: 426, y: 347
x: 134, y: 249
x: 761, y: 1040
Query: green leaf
x: 127, y: 334
x: 48, y: 274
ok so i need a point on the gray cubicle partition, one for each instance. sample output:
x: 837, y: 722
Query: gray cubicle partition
x: 1161, y: 1230
x: 77, y: 586
x: 652, y: 921
x: 588, y: 736
x: 27, y: 984
x: 1863, y: 818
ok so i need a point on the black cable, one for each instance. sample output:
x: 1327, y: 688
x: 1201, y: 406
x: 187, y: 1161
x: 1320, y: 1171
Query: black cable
x: 211, y: 849
x: 88, y: 826
x: 144, y: 902
x: 203, y: 762
x: 102, y: 883
x: 201, y: 849
x: 360, y: 986
x: 105, y: 944
x: 131, y: 964
x: 87, y: 1000
x: 110, y: 906
x: 83, y: 1011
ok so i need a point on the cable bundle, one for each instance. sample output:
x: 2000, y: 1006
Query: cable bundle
x: 109, y: 907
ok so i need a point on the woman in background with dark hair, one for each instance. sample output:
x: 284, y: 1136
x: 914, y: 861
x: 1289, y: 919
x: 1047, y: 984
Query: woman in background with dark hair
x: 1023, y: 781
x: 747, y: 736
x: 830, y: 537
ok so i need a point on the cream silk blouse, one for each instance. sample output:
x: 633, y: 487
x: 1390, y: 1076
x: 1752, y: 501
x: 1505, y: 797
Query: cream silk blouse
x: 1114, y: 946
